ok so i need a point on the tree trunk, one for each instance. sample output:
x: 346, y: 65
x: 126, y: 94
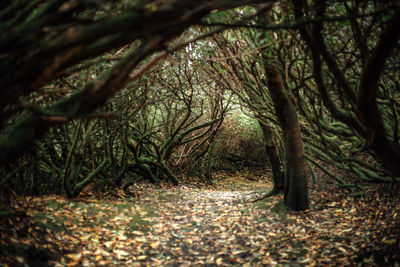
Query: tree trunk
x: 372, y: 124
x: 295, y: 185
x: 296, y: 190
x: 368, y: 111
x: 271, y: 147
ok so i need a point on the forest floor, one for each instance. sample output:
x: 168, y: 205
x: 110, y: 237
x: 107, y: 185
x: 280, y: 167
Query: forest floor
x: 214, y: 225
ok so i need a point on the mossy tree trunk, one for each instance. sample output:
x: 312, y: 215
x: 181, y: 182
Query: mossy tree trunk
x: 33, y: 57
x: 366, y: 117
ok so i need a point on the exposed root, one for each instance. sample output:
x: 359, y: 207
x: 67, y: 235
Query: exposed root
x: 269, y: 194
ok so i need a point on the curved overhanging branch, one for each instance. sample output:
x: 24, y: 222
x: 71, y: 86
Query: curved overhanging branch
x: 368, y: 110
x: 48, y: 58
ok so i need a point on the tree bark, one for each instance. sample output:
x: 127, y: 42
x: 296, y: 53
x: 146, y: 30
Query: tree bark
x: 295, y: 185
x: 38, y: 49
x: 368, y: 121
x: 271, y: 147
x: 296, y: 188
x: 368, y: 111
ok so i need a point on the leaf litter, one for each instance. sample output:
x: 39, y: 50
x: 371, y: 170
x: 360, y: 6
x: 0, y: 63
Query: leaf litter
x: 215, y: 225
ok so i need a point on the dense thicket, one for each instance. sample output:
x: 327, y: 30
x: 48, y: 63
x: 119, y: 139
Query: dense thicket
x: 109, y: 92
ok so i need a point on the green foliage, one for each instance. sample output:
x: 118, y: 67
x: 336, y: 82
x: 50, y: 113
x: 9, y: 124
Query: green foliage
x: 246, y: 126
x: 239, y: 144
x: 170, y: 116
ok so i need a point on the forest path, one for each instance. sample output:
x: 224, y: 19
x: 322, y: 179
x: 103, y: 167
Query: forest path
x: 201, y: 227
x: 206, y: 227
